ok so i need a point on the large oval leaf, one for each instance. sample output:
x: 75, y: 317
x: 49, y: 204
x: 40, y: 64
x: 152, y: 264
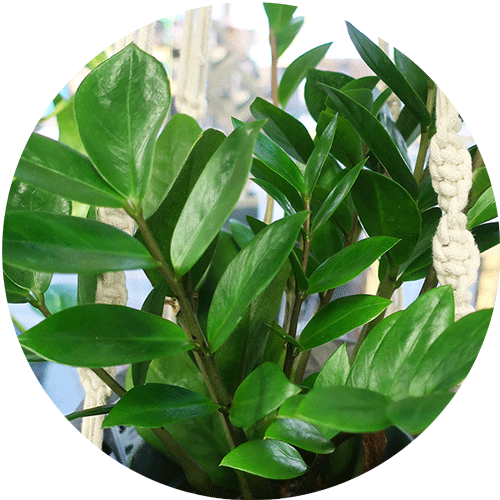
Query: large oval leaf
x: 54, y: 243
x: 249, y: 274
x: 213, y: 197
x: 97, y: 335
x: 351, y: 261
x: 119, y: 109
x: 386, y: 209
x: 58, y: 169
x: 336, y: 369
x: 340, y: 317
x: 156, y: 405
x: 266, y: 458
x: 346, y: 409
x: 264, y: 390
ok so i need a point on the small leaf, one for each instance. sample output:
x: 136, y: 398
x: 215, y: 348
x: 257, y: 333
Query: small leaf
x: 383, y: 67
x: 276, y: 195
x: 287, y: 35
x: 300, y: 434
x: 279, y: 15
x: 213, y: 197
x: 156, y: 405
x: 248, y: 275
x: 297, y: 70
x: 334, y: 199
x: 58, y: 169
x: 119, y: 109
x: 346, y: 409
x: 263, y: 391
x: 415, y: 414
x: 340, y: 317
x: 266, y: 458
x: 351, y: 261
x: 336, y: 369
x: 89, y: 412
x: 55, y: 243
x: 97, y: 335
x: 483, y: 210
x: 284, y: 129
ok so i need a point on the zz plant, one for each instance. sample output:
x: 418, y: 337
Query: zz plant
x: 222, y: 390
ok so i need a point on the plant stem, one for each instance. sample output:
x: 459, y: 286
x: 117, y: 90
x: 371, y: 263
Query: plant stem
x: 38, y: 302
x: 425, y: 135
x: 109, y: 381
x: 430, y: 281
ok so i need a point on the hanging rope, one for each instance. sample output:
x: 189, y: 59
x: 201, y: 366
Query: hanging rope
x: 191, y: 81
x: 455, y: 253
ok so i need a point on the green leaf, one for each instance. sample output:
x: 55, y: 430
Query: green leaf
x: 396, y: 214
x: 173, y: 147
x: 58, y: 169
x: 376, y: 137
x: 480, y: 183
x: 300, y: 434
x: 415, y: 414
x: 276, y: 195
x: 279, y: 15
x: 213, y: 197
x: 242, y: 234
x: 156, y: 405
x: 263, y: 391
x: 449, y: 358
x: 54, y: 243
x: 314, y: 93
x: 340, y: 317
x: 15, y: 294
x: 413, y: 74
x: 336, y: 369
x: 351, y: 261
x: 483, y: 210
x: 68, y: 129
x: 284, y: 129
x: 249, y: 274
x: 266, y: 458
x: 98, y: 335
x: 346, y: 409
x: 318, y: 156
x: 385, y: 69
x: 286, y: 36
x: 277, y: 160
x: 89, y: 412
x: 297, y: 70
x: 381, y: 100
x: 384, y: 357
x: 486, y: 236
x: 334, y: 199
x: 119, y: 109
x: 163, y: 222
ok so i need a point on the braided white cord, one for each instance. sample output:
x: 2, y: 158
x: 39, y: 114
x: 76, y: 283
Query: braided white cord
x: 111, y: 289
x: 455, y: 253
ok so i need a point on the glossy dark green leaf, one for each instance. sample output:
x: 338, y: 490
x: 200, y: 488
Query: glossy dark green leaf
x: 173, y: 147
x: 263, y: 391
x: 213, y: 197
x: 286, y: 36
x: 266, y: 458
x: 279, y: 15
x: 15, y: 294
x: 483, y: 210
x: 242, y: 234
x: 163, y: 222
x: 318, y: 156
x: 276, y: 195
x: 385, y: 118
x: 365, y: 82
x: 336, y: 369
x: 415, y: 414
x: 376, y: 137
x: 480, y: 183
x: 362, y: 96
x: 68, y: 129
x: 380, y: 63
x: 248, y: 274
x: 338, y: 193
x: 384, y: 357
x: 340, y: 317
x: 379, y: 102
x: 46, y: 242
x: 297, y: 70
x: 449, y: 358
x: 486, y: 235
x: 119, y: 109
x: 300, y: 434
x: 344, y: 408
x: 386, y: 209
x: 413, y: 74
x: 156, y: 405
x: 284, y: 129
x: 347, y: 144
x: 89, y: 412
x: 58, y: 169
x: 351, y: 261
x: 314, y: 93
x: 98, y: 335
x: 277, y: 160
x: 277, y: 330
